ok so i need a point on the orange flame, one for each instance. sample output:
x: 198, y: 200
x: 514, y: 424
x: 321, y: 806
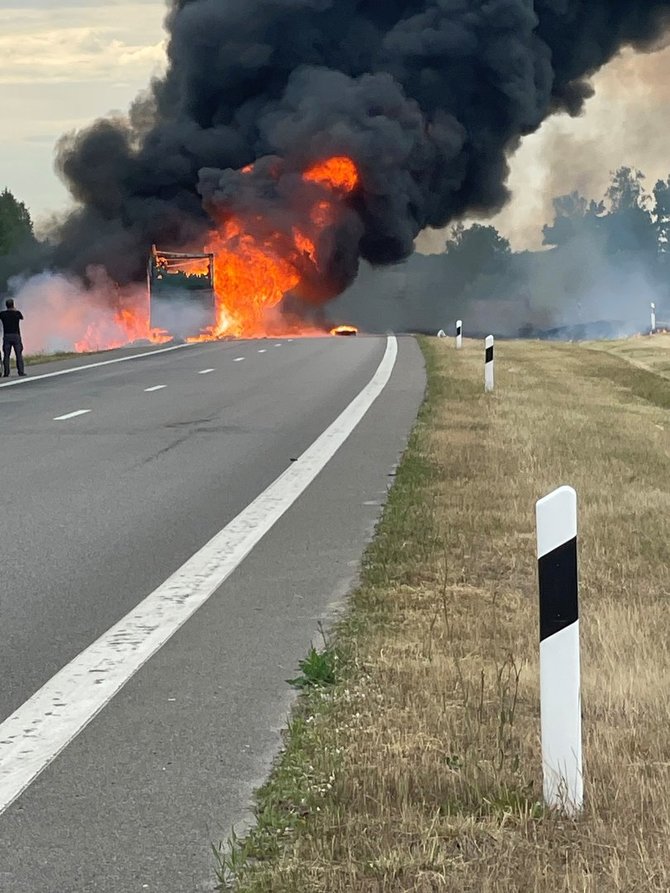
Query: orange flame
x: 252, y: 273
x: 249, y: 278
x: 338, y: 173
x: 128, y: 324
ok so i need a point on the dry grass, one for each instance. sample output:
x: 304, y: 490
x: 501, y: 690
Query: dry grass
x: 647, y: 353
x: 36, y: 359
x: 420, y: 769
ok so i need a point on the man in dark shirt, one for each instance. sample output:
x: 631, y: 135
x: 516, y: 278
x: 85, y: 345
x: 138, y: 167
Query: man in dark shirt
x: 11, y: 336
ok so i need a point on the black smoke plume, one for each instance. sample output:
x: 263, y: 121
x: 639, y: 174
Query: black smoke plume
x: 428, y: 98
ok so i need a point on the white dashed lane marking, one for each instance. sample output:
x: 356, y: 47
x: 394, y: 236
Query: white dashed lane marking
x: 71, y: 415
x: 238, y: 359
x: 156, y: 387
x: 205, y: 371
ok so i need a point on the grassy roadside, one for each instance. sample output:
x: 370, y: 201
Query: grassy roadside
x: 37, y: 359
x: 652, y: 354
x: 417, y: 768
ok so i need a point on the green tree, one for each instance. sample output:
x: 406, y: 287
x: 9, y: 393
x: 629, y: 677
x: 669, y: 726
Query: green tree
x: 476, y: 261
x: 477, y: 249
x: 16, y: 227
x: 661, y: 214
x: 629, y: 223
x: 574, y: 217
x: 623, y: 223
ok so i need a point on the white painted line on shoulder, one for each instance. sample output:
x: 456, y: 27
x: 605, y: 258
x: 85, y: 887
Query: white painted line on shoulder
x: 205, y: 371
x: 71, y: 415
x: 238, y: 359
x: 33, y: 736
x: 156, y: 387
x: 135, y: 356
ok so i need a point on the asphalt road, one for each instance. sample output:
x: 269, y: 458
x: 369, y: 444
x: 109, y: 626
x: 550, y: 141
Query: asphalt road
x: 99, y: 509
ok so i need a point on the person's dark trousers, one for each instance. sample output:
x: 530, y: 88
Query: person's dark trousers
x: 9, y: 342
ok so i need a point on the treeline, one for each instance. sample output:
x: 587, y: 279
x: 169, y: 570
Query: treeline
x: 17, y: 239
x: 604, y: 259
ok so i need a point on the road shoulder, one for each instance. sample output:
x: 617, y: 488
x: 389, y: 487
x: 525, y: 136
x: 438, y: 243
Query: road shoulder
x: 412, y: 760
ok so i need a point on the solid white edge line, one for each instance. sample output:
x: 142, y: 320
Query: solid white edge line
x: 71, y: 415
x: 135, y: 356
x: 33, y: 736
x: 156, y: 387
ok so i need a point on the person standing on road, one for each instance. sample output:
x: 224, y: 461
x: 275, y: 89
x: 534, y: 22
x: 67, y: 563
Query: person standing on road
x: 11, y: 336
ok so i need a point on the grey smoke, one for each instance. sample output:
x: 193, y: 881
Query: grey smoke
x: 64, y: 313
x: 578, y: 285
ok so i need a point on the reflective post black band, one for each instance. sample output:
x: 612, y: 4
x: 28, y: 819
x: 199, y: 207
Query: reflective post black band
x: 559, y: 604
x: 488, y: 364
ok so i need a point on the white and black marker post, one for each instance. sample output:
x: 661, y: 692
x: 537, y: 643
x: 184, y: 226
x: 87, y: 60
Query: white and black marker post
x: 489, y: 363
x: 560, y: 697
x: 653, y: 318
x: 459, y: 334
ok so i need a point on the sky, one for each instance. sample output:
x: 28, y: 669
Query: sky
x: 64, y: 64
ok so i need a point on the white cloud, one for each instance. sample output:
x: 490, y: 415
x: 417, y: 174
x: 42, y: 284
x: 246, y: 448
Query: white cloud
x: 60, y: 68
x: 83, y: 44
x: 74, y: 54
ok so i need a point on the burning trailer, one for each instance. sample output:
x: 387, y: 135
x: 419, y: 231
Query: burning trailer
x: 182, y: 299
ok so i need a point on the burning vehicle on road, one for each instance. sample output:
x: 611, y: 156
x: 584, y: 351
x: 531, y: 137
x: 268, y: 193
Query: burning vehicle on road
x: 344, y: 330
x: 182, y: 299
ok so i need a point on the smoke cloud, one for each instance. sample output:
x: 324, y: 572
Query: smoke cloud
x: 65, y: 313
x: 619, y: 128
x: 577, y: 292
x: 428, y: 98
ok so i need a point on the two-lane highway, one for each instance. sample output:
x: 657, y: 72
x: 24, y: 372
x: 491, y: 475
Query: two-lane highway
x: 117, y: 476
